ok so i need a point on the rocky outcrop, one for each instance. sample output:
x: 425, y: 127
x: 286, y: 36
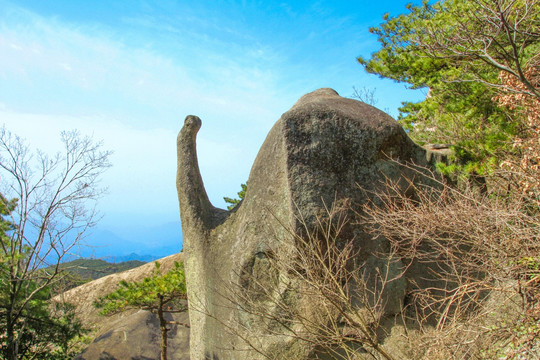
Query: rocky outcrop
x: 325, y: 150
x: 438, y: 153
x: 136, y: 335
x: 131, y: 334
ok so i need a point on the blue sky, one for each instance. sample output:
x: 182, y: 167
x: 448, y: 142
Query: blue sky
x: 128, y: 72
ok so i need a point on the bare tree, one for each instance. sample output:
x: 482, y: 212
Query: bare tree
x: 365, y: 95
x: 53, y: 206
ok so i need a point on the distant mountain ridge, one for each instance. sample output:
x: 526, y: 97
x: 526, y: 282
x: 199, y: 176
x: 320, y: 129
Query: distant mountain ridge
x: 131, y: 257
x: 81, y: 271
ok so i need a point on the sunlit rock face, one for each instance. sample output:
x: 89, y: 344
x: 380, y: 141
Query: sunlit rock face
x: 325, y: 151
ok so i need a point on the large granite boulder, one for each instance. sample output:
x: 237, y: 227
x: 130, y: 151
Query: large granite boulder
x: 326, y: 150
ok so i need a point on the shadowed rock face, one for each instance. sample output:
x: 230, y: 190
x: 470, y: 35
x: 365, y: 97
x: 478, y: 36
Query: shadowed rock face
x: 317, y: 154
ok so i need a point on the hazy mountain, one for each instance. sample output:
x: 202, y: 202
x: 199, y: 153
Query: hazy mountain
x: 141, y: 243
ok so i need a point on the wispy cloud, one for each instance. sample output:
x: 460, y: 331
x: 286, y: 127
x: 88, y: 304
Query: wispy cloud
x: 59, y: 76
x: 44, y: 55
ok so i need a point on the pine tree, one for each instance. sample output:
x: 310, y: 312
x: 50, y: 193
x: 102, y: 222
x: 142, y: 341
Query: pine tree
x: 234, y: 202
x: 158, y: 293
x: 457, y: 50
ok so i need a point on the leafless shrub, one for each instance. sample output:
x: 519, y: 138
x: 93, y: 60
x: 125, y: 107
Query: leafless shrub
x: 465, y: 263
x: 523, y: 168
x: 365, y: 95
x: 479, y: 255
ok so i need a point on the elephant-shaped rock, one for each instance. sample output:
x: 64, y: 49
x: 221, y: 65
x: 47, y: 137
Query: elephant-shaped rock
x: 325, y: 151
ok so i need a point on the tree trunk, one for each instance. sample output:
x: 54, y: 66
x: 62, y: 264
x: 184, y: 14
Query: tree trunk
x: 11, y: 348
x: 163, y: 328
x: 12, y: 345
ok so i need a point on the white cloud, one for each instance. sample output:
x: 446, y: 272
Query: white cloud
x: 99, y: 74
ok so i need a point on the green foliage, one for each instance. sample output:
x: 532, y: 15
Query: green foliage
x: 442, y: 47
x: 235, y: 202
x: 522, y: 337
x: 149, y: 294
x: 531, y: 264
x: 41, y: 332
x: 45, y: 331
x: 6, y: 208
